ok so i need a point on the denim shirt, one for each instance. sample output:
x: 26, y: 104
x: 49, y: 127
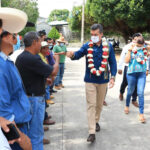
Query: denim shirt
x: 97, y: 57
x: 14, y: 104
x: 135, y: 66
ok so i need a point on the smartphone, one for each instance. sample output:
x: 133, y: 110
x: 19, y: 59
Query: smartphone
x: 12, y: 134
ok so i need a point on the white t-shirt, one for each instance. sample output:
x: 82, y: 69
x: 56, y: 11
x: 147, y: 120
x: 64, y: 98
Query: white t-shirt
x: 4, y: 145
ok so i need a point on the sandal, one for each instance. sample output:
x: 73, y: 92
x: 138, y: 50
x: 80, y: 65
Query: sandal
x: 126, y: 110
x: 141, y: 118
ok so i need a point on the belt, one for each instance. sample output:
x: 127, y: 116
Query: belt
x: 35, y: 95
x: 20, y: 125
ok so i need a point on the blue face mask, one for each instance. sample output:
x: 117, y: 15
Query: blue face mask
x: 62, y: 44
x: 50, y: 47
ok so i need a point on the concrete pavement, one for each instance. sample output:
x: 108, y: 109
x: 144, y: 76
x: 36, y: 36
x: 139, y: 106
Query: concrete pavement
x: 118, y: 131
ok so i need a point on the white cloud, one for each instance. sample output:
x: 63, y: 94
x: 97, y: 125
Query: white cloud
x: 46, y: 6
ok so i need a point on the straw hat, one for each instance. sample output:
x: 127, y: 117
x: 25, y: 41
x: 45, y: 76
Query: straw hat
x: 61, y: 40
x: 13, y: 20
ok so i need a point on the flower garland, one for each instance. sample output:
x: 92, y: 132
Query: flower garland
x: 105, y: 55
x: 139, y: 60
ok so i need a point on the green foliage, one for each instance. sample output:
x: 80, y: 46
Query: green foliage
x: 28, y: 6
x: 75, y: 19
x: 122, y: 16
x: 58, y: 15
x: 54, y: 34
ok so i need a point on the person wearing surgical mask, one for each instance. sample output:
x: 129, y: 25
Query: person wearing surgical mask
x: 60, y: 49
x: 122, y: 69
x: 98, y: 54
x: 136, y: 74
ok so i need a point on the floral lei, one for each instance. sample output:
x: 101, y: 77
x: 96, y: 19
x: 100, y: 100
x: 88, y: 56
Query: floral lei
x: 139, y: 60
x: 105, y: 56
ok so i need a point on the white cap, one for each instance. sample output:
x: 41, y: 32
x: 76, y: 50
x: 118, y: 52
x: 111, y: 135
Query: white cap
x: 44, y: 43
x: 13, y: 20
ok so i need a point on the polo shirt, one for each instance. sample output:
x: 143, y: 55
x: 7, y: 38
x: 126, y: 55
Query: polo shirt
x: 58, y: 49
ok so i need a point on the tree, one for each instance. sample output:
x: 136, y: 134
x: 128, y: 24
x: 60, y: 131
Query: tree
x: 121, y: 16
x: 76, y: 18
x: 28, y: 6
x: 58, y: 15
x: 54, y: 34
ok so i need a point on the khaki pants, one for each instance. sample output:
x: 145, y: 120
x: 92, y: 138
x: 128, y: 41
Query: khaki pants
x: 95, y: 95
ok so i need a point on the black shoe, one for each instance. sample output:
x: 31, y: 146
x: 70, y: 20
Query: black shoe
x: 53, y: 91
x: 91, y: 138
x: 98, y: 128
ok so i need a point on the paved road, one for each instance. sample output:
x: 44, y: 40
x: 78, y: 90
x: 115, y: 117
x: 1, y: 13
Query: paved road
x: 118, y: 131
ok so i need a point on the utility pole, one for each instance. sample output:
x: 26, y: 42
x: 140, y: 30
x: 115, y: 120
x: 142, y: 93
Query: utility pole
x: 82, y: 27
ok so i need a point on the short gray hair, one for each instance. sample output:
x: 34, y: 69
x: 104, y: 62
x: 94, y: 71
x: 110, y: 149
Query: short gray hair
x: 97, y: 26
x: 30, y: 37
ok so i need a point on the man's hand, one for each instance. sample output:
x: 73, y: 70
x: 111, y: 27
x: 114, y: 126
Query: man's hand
x: 56, y: 57
x: 3, y: 124
x: 70, y: 54
x: 111, y: 83
x: 120, y: 72
x: 49, y: 81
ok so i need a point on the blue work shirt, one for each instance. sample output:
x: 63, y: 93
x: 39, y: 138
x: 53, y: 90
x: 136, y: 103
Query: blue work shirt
x: 97, y: 57
x: 14, y: 104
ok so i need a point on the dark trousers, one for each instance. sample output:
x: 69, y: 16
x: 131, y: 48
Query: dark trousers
x: 125, y: 83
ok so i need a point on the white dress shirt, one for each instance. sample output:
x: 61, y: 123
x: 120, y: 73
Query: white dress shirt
x: 4, y: 145
x: 122, y: 57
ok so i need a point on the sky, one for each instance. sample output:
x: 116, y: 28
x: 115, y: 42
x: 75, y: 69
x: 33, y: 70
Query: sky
x: 46, y: 6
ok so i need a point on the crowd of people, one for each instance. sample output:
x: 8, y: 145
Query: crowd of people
x: 29, y: 81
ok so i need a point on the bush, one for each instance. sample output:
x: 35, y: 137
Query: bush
x: 54, y: 34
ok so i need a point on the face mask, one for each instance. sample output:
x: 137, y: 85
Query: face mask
x: 47, y: 53
x: 62, y: 44
x: 95, y: 39
x: 138, y: 48
x: 50, y: 47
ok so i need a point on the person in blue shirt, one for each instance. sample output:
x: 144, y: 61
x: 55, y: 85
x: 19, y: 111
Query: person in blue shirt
x: 100, y: 58
x: 14, y: 103
x: 136, y: 74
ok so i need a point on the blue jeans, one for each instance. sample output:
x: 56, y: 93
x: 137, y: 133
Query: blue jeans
x: 124, y: 84
x: 47, y: 94
x: 36, y: 132
x: 138, y: 79
x: 23, y: 129
x: 60, y: 74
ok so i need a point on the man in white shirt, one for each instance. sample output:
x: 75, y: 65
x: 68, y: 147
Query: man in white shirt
x: 125, y: 65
